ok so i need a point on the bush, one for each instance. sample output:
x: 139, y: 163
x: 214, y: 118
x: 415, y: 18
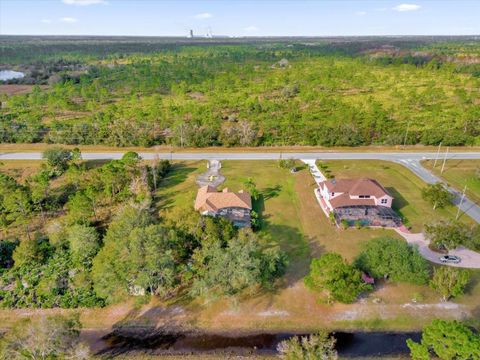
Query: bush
x: 333, y: 276
x: 395, y: 259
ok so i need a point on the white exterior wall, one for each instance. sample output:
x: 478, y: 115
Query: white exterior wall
x: 389, y: 201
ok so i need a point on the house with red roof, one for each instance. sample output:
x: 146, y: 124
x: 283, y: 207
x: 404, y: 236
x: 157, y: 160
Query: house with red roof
x: 358, y: 200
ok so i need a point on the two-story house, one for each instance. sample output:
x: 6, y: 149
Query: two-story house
x: 235, y: 206
x: 362, y: 200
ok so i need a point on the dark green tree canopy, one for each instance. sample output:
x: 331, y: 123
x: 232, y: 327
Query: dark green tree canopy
x: 332, y: 275
x: 395, y: 259
x: 446, y: 340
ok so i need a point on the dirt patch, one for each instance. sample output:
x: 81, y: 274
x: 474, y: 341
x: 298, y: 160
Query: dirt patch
x: 15, y: 89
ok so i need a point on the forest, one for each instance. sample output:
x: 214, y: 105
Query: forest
x: 78, y: 235
x: 320, y: 92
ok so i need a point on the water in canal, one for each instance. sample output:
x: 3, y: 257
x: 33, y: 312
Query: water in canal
x: 358, y: 344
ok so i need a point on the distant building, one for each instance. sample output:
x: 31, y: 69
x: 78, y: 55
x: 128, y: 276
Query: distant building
x: 234, y: 206
x: 363, y: 200
x: 190, y: 34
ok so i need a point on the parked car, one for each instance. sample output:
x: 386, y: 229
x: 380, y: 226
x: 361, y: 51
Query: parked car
x: 450, y: 259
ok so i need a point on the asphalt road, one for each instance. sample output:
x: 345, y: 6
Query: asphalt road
x: 389, y: 156
x: 411, y: 160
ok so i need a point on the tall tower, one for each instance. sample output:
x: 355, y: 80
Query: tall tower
x: 190, y: 34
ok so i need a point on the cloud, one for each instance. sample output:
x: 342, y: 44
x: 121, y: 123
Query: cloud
x: 361, y: 13
x: 205, y: 15
x: 251, y: 28
x: 406, y: 7
x: 84, y: 2
x: 68, y: 20
x: 46, y: 21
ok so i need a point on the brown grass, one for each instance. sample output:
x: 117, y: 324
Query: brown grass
x: 14, y: 89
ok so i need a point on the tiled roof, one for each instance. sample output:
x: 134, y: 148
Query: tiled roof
x: 345, y: 200
x: 209, y: 199
x: 356, y: 187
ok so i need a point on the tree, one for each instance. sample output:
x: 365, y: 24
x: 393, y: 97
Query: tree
x: 39, y: 187
x: 44, y: 338
x: 332, y: 275
x: 449, y: 282
x: 80, y: 208
x: 28, y: 252
x: 447, y: 234
x: 57, y: 160
x: 83, y: 243
x: 395, y: 259
x: 252, y: 188
x: 228, y: 266
x: 6, y: 252
x: 313, y: 347
x: 137, y: 254
x: 16, y: 205
x: 446, y: 340
x: 437, y: 195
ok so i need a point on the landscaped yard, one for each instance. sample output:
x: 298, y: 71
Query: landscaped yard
x: 459, y: 173
x: 404, y: 186
x: 292, y: 219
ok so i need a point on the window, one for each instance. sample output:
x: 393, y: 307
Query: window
x: 383, y: 201
x: 364, y: 196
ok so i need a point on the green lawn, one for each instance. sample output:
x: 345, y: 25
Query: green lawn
x: 459, y: 173
x: 402, y: 184
x: 292, y: 219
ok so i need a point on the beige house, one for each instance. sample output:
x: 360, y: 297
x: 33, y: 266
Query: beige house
x: 235, y: 206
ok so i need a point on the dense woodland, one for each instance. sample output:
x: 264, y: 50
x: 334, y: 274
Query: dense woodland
x: 352, y: 92
x: 78, y: 236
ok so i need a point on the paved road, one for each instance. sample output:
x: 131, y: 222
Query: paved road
x: 411, y: 160
x: 466, y: 206
x: 389, y: 156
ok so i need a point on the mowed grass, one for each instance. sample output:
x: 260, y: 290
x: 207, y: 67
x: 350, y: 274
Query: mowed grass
x: 293, y: 220
x: 404, y: 186
x: 458, y: 173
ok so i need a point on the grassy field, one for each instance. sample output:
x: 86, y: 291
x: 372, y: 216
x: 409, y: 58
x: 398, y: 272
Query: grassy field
x: 292, y: 219
x: 459, y: 173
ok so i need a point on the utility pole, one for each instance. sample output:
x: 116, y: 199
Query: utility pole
x: 444, y: 160
x: 461, y: 202
x: 406, y: 134
x: 438, y: 154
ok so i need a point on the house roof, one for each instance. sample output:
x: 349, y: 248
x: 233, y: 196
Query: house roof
x: 345, y: 200
x: 209, y: 199
x: 355, y: 187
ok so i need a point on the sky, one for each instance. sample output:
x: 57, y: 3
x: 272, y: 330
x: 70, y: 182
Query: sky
x: 239, y: 17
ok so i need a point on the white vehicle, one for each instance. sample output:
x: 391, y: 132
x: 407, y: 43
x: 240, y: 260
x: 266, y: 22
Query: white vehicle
x: 450, y: 259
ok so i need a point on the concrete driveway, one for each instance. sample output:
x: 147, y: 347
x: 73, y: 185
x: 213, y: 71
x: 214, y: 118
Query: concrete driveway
x: 470, y: 259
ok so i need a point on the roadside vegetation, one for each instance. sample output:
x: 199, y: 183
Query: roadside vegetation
x: 329, y: 94
x: 460, y: 174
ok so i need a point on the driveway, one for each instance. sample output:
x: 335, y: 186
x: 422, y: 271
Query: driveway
x: 314, y: 170
x: 212, y: 176
x: 470, y: 259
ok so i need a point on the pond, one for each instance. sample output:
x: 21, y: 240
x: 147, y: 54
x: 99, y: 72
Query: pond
x: 348, y: 344
x: 10, y: 74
